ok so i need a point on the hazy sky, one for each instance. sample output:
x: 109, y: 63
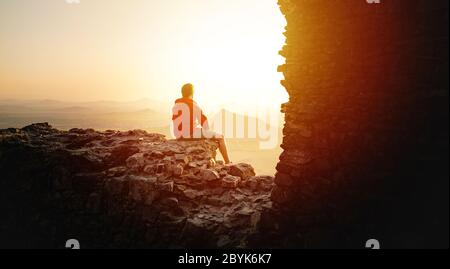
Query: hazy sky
x: 130, y: 49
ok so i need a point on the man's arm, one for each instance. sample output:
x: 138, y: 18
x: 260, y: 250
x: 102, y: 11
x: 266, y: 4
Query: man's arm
x: 204, y: 122
x: 201, y: 117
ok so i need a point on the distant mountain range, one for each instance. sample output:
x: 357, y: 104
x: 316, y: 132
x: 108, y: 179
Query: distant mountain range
x: 143, y: 113
x: 140, y: 114
x: 11, y: 105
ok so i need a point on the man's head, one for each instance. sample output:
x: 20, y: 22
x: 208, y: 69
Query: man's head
x: 187, y: 90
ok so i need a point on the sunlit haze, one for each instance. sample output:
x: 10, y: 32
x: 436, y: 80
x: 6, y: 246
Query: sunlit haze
x: 127, y: 50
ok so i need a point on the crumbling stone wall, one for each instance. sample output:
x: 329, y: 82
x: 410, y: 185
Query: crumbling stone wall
x: 123, y: 190
x: 366, y: 134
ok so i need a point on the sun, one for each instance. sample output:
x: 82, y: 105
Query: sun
x: 231, y: 55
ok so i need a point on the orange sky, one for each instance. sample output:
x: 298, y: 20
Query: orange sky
x: 126, y: 50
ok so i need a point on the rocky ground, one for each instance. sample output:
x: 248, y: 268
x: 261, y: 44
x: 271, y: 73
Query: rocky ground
x: 123, y: 189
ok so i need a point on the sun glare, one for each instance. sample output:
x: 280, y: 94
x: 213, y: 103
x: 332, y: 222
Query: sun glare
x: 230, y: 53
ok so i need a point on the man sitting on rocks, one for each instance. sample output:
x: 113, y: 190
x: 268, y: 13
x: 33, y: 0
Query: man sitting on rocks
x: 189, y: 122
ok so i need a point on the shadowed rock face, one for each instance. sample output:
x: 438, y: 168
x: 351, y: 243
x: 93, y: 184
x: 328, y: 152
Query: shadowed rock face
x: 366, y: 134
x: 123, y: 190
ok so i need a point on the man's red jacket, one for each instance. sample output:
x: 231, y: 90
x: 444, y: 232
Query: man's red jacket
x: 187, y: 111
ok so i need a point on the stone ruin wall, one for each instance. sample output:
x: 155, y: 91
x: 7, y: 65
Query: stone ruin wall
x: 366, y: 131
x: 123, y: 190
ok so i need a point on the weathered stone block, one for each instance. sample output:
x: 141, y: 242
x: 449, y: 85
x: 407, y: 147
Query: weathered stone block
x: 230, y: 181
x: 242, y: 170
x: 208, y: 175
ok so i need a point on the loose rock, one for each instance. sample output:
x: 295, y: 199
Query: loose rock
x: 242, y: 170
x: 230, y: 181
